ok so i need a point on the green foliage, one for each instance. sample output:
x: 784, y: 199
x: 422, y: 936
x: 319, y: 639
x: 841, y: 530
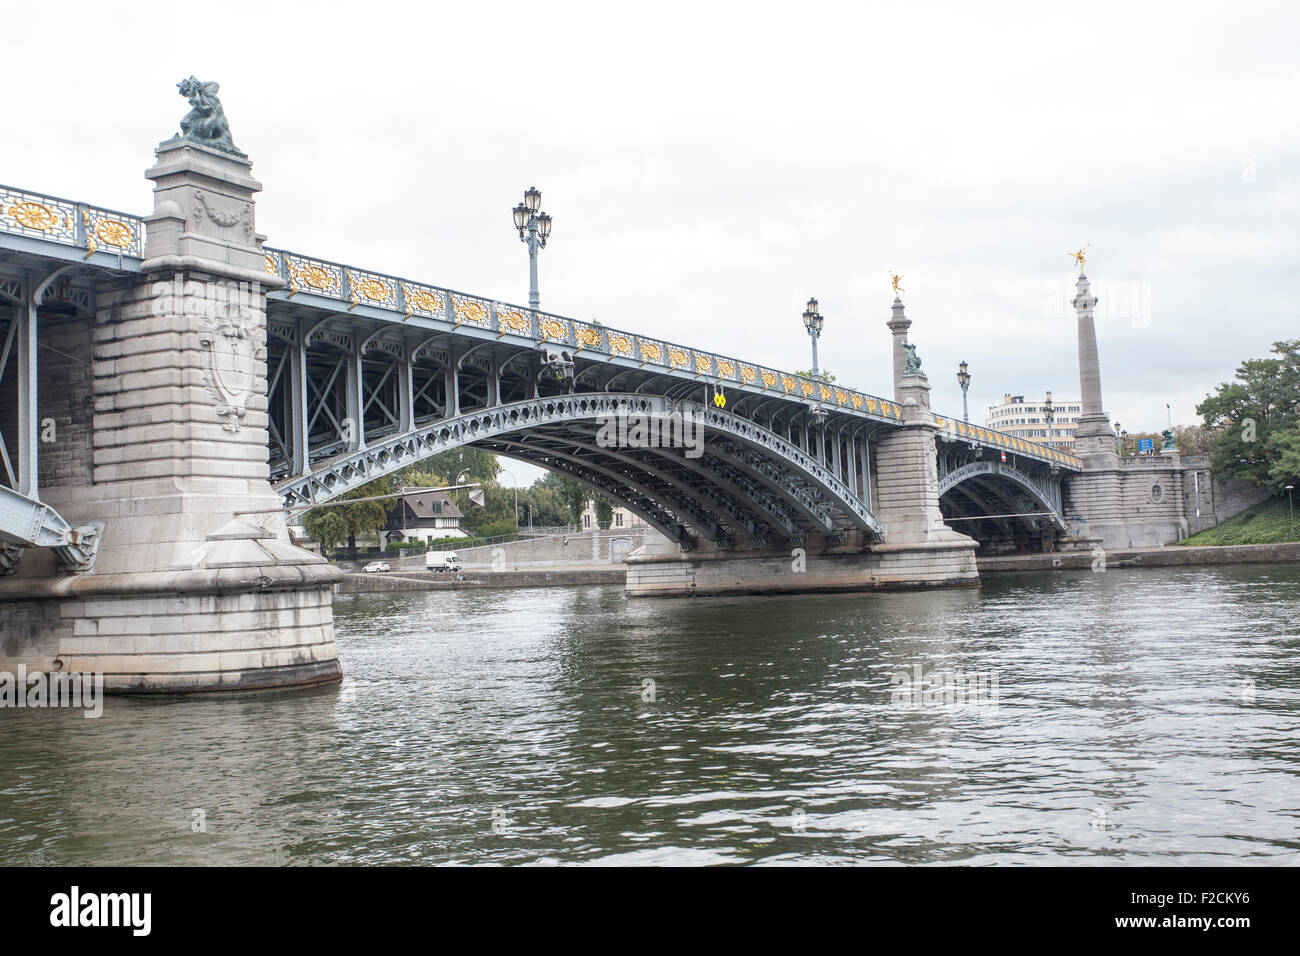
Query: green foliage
x: 411, y: 547
x: 822, y: 376
x: 604, y: 512
x: 573, y: 494
x: 331, y: 526
x: 455, y: 544
x: 1257, y: 418
x: 497, y: 529
x: 1284, y: 451
x: 445, y: 467
x: 1188, y: 439
x: 543, y: 502
x: 1265, y: 523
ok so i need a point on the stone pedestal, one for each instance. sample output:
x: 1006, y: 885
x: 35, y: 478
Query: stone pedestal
x: 197, y: 586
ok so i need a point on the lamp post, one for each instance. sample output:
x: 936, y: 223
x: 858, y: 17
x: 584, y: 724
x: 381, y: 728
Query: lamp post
x: 1119, y: 442
x: 1048, y: 416
x: 538, y: 226
x: 812, y: 321
x: 1291, y: 503
x: 963, y: 379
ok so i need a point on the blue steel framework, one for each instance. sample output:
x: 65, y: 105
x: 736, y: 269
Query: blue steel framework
x: 369, y: 372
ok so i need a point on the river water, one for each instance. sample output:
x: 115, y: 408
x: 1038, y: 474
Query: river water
x: 1139, y: 716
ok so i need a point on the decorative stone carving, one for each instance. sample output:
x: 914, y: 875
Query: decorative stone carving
x: 233, y: 354
x: 225, y: 220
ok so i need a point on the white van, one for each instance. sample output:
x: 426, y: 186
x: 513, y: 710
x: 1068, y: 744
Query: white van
x: 438, y: 561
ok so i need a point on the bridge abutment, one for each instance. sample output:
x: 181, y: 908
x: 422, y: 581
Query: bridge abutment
x: 196, y: 586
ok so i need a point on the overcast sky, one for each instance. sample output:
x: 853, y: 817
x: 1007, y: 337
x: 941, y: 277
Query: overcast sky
x: 709, y: 166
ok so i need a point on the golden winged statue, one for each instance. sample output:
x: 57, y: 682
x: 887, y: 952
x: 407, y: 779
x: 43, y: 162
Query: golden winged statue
x: 896, y: 280
x: 1078, y: 257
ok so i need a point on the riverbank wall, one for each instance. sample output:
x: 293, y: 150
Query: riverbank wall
x: 1171, y: 556
x: 428, y: 581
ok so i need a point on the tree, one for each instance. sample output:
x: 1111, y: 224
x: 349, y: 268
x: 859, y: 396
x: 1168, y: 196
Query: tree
x: 822, y: 376
x: 331, y: 525
x: 543, y: 503
x: 1284, y: 450
x: 604, y: 512
x: 1257, y: 418
x: 571, y: 492
x: 447, y: 466
x: 1188, y: 439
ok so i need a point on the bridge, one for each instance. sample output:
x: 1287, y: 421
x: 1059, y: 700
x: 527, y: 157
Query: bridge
x: 169, y: 384
x: 367, y: 373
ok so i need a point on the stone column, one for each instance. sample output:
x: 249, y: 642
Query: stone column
x: 1094, y: 441
x: 197, y: 586
x: 898, y: 326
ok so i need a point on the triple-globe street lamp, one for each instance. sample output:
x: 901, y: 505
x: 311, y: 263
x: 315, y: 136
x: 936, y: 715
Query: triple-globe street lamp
x: 538, y: 226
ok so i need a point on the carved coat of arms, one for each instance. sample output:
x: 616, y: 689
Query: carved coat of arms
x: 233, y: 354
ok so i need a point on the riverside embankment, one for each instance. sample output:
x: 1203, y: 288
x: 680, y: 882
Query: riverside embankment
x: 573, y: 575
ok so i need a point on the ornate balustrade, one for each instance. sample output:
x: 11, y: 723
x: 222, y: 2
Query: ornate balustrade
x: 69, y: 223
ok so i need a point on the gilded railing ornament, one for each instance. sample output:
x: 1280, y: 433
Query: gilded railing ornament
x: 90, y: 236
x: 511, y: 320
x: 651, y: 352
x: 621, y: 345
x: 469, y: 310
x: 422, y: 299
x: 679, y: 358
x: 769, y: 379
x: 727, y: 367
x: 588, y: 337
x: 35, y: 215
x: 552, y: 330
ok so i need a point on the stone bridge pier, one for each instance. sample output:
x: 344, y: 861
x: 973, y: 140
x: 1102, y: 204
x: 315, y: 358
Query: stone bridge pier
x: 918, y: 551
x: 196, y: 585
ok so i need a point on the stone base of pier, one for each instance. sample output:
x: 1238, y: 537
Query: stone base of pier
x: 254, y: 613
x: 933, y: 564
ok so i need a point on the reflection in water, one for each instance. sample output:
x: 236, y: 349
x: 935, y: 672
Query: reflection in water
x: 1143, y: 716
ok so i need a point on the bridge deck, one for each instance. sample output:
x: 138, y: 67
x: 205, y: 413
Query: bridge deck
x: 33, y: 224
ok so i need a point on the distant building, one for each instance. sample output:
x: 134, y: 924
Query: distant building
x: 622, y: 517
x: 1025, y: 420
x: 425, y: 518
